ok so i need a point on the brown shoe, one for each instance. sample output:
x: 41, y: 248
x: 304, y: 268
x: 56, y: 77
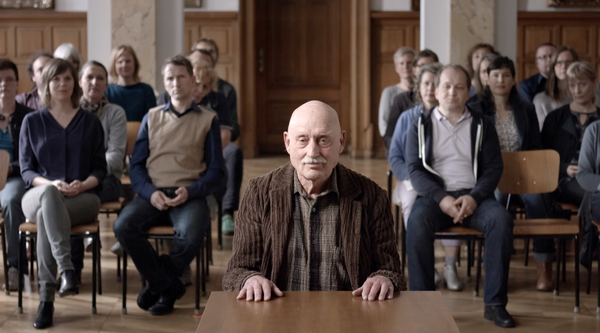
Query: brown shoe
x: 544, y: 273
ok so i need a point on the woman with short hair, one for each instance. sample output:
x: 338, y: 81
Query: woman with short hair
x: 125, y: 88
x: 62, y: 164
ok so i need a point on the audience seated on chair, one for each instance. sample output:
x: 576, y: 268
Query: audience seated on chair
x: 68, y: 52
x: 231, y: 153
x: 325, y: 227
x: 125, y: 88
x: 536, y: 83
x: 176, y: 163
x: 455, y: 164
x: 93, y: 80
x: 61, y: 154
x: 404, y: 194
x: 403, y: 64
x: 563, y: 131
x: 474, y: 57
x: 35, y: 66
x: 11, y: 119
x: 556, y: 93
x: 406, y: 100
x: 516, y: 123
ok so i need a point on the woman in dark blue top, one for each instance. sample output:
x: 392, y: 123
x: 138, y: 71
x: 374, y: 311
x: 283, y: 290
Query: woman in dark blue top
x: 126, y: 88
x: 62, y: 163
x: 517, y: 127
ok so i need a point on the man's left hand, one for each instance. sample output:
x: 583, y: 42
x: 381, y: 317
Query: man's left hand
x: 181, y: 198
x: 376, y: 285
x: 467, y: 206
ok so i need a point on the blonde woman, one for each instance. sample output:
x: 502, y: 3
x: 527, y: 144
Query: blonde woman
x: 125, y: 88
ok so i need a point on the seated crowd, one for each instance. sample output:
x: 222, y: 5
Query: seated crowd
x: 312, y: 224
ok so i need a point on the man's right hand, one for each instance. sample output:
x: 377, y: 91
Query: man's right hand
x: 448, y: 207
x: 158, y: 200
x: 572, y: 171
x: 257, y: 286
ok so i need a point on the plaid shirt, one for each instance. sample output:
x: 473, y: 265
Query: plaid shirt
x: 315, y: 259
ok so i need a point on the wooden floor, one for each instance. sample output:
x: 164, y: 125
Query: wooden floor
x: 533, y: 311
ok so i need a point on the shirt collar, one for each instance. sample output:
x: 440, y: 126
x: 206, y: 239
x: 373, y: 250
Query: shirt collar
x: 438, y: 115
x: 333, y: 187
x: 193, y: 107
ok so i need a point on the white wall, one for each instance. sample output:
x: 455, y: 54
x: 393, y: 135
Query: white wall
x: 435, y: 28
x: 99, y: 36
x: 541, y: 6
x: 217, y: 6
x: 390, y: 5
x: 72, y: 5
x: 505, y: 27
x: 169, y: 38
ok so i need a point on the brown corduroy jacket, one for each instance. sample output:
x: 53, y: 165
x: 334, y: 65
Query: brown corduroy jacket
x: 265, y: 219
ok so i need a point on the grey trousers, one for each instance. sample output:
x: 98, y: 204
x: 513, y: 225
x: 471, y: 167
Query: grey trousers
x: 10, y: 198
x: 54, y: 215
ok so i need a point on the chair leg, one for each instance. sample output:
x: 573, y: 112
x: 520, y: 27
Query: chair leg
x: 220, y: 223
x: 564, y: 261
x: 5, y: 260
x: 526, y: 251
x: 209, y: 253
x: 558, y: 267
x: 202, y: 275
x: 118, y: 268
x: 469, y: 245
x: 589, y: 277
x: 576, y: 309
x: 199, y: 266
x: 22, y: 250
x: 32, y: 257
x: 403, y: 236
x: 479, y: 263
x: 95, y: 246
x: 598, y: 305
x: 99, y: 261
x: 124, y: 286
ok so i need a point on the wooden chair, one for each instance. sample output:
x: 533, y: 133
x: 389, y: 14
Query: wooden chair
x: 536, y: 172
x: 4, y: 165
x: 166, y: 232
x: 29, y: 230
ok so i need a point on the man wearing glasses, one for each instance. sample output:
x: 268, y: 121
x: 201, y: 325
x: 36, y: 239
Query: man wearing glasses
x: 529, y: 87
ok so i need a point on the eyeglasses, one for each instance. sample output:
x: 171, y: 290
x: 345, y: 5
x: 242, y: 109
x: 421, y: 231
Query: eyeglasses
x: 544, y: 57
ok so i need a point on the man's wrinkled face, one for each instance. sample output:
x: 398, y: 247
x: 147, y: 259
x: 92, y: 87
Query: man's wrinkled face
x: 314, y: 141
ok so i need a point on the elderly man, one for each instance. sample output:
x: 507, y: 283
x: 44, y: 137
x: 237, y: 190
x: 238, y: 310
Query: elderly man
x: 176, y: 162
x: 535, y: 84
x: 313, y: 224
x: 455, y: 164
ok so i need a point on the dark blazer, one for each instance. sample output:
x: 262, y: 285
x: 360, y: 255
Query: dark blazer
x: 559, y: 133
x: 531, y: 86
x: 485, y: 152
x: 525, y: 117
x: 402, y: 102
x: 264, y: 221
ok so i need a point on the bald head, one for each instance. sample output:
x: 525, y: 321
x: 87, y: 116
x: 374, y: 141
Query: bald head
x: 315, y: 112
x: 314, y: 140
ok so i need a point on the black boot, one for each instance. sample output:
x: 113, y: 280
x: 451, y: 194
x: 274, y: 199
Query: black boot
x: 43, y: 319
x: 68, y: 283
x: 499, y: 316
x: 168, y: 297
x: 146, y: 299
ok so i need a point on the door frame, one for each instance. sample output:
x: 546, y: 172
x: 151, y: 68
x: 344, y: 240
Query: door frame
x: 360, y: 133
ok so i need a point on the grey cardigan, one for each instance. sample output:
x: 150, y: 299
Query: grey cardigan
x: 114, y: 124
x: 589, y: 159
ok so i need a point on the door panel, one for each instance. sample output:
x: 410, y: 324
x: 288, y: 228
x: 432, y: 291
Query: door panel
x: 300, y: 43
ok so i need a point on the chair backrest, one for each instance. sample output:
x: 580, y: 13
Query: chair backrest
x: 133, y: 127
x: 529, y: 172
x: 4, y: 163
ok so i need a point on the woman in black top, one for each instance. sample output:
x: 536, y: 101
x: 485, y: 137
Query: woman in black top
x: 517, y: 127
x: 11, y: 118
x: 62, y: 163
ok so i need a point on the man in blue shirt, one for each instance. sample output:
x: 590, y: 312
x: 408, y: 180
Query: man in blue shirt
x: 535, y: 84
x: 177, y: 161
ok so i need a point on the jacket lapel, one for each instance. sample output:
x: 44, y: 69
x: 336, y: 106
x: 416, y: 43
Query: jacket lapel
x: 351, y: 221
x: 281, y: 217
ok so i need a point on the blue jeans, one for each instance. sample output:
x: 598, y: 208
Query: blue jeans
x: 537, y: 206
x: 234, y: 160
x: 10, y: 198
x: 190, y: 222
x: 490, y: 218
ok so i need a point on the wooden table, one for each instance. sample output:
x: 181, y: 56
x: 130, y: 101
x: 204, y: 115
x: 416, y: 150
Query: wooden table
x: 413, y: 311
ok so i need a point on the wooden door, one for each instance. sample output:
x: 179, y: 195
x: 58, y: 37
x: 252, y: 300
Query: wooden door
x: 302, y: 54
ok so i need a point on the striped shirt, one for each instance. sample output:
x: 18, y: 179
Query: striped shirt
x: 315, y: 259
